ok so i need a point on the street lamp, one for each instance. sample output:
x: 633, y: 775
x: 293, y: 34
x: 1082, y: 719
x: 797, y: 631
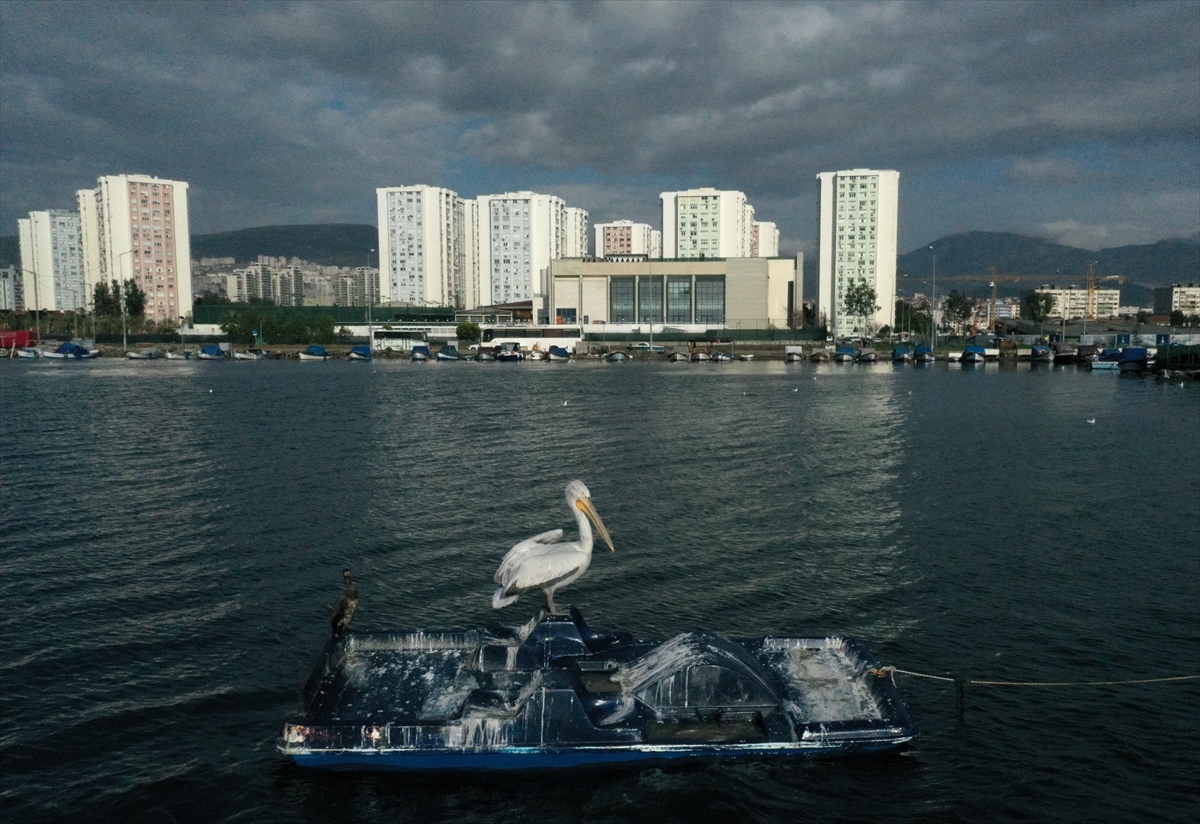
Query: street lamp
x: 933, y: 304
x: 124, y: 320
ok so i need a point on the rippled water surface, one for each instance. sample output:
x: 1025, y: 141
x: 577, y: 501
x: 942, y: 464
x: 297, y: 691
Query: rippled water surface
x: 172, y: 537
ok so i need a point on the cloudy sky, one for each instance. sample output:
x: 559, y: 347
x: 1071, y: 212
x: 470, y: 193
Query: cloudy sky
x: 1074, y: 121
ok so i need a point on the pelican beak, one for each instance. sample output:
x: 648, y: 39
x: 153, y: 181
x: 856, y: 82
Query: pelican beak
x: 585, y: 505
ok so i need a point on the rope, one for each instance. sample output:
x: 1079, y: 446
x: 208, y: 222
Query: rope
x: 891, y: 673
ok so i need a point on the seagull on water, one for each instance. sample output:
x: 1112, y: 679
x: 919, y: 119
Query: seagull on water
x: 1091, y: 420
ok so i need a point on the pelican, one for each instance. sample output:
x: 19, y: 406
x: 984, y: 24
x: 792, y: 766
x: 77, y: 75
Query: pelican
x: 345, y: 608
x: 541, y: 562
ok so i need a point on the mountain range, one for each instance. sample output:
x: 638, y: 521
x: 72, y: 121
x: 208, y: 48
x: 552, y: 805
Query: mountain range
x: 964, y: 261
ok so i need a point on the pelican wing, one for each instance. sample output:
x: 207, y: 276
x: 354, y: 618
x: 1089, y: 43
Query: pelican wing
x: 540, y: 565
x: 525, y: 547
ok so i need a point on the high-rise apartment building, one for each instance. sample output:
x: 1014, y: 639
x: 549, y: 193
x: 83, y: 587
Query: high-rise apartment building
x: 706, y: 223
x: 8, y: 290
x: 576, y: 237
x: 857, y: 236
x: 764, y: 239
x: 135, y: 228
x: 421, y: 245
x: 51, y: 260
x: 519, y: 234
x: 624, y: 237
x: 472, y: 292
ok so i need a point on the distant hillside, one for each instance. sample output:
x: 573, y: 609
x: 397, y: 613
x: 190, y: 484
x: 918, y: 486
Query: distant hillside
x: 330, y: 244
x: 974, y: 253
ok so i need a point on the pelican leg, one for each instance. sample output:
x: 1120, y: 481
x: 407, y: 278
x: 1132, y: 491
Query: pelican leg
x: 550, y: 601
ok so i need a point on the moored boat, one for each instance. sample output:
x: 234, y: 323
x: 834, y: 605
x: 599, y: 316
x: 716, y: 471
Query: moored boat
x: 973, y: 354
x: 721, y: 357
x: 510, y: 352
x: 420, y: 354
x: 902, y: 354
x: 615, y: 357
x: 866, y: 355
x: 1041, y: 353
x: 700, y: 356
x: 249, y: 354
x: 485, y: 356
x: 144, y: 354
x: 314, y: 352
x: 923, y: 354
x: 449, y: 352
x: 211, y: 351
x: 1063, y: 352
x: 555, y: 693
x: 71, y: 351
x: 558, y: 353
x: 1134, y: 359
x: 29, y: 352
x: 793, y: 354
x: 183, y: 355
x: 746, y: 356
x: 844, y: 354
x: 537, y: 354
x: 820, y: 356
x: 361, y: 352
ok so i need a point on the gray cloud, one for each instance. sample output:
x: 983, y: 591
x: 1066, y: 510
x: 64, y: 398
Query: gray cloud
x: 1023, y: 116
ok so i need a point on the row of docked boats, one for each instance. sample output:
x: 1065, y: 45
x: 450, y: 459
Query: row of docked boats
x: 67, y: 351
x: 865, y: 354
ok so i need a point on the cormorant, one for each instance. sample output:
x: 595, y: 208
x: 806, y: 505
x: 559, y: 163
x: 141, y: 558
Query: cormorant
x: 346, y: 606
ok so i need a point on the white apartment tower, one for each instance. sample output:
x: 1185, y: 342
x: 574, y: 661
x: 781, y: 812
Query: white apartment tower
x: 706, y: 223
x: 135, y: 228
x: 577, y: 233
x: 519, y: 234
x: 51, y: 261
x: 857, y: 236
x: 421, y: 245
x: 624, y: 237
x: 764, y: 239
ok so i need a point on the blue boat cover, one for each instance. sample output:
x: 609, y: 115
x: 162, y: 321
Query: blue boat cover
x: 424, y: 350
x: 1134, y: 353
x: 972, y: 349
x: 212, y: 349
x: 1110, y: 355
x: 315, y: 349
x: 923, y: 349
x: 559, y: 351
x: 74, y: 350
x: 362, y: 350
x: 845, y: 350
x: 901, y: 350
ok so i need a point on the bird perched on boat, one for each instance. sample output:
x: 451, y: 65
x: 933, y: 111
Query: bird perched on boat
x: 543, y: 562
x: 346, y: 606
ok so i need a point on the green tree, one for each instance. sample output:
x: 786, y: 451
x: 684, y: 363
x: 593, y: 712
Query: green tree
x: 860, y: 301
x: 468, y: 331
x: 1039, y: 304
x: 211, y: 299
x: 1177, y: 318
x: 135, y: 300
x: 958, y: 309
x: 106, y: 302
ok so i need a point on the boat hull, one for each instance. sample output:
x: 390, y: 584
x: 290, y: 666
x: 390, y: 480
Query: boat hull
x: 973, y: 357
x: 303, y: 356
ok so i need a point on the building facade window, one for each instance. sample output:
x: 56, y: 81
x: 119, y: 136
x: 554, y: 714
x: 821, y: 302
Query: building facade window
x: 650, y: 300
x: 620, y: 299
x: 679, y: 300
x: 710, y: 299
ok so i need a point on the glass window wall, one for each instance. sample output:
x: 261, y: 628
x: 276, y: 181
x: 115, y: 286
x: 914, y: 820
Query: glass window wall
x: 710, y: 299
x: 620, y: 299
x: 679, y: 300
x: 650, y: 300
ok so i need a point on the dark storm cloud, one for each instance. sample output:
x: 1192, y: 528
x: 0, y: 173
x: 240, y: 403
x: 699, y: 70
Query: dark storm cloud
x: 1076, y: 118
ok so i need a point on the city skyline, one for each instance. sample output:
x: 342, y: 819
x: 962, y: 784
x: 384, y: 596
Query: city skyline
x: 1072, y: 122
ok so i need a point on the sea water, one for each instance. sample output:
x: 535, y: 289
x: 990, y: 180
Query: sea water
x: 172, y: 537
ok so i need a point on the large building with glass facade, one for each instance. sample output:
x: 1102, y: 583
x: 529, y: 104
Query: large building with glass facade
x: 857, y: 237
x: 744, y: 293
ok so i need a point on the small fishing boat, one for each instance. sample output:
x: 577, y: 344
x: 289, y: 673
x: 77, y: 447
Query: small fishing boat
x: 184, y: 355
x: 616, y: 357
x: 537, y: 354
x: 721, y: 357
x: 793, y: 354
x: 557, y: 353
x: 249, y: 354
x: 972, y: 355
x: 866, y: 355
x: 700, y: 356
x: 144, y: 354
x: 844, y: 354
x: 746, y: 356
x: 1109, y: 360
x: 211, y: 351
x: 449, y: 352
x: 510, y: 352
x: 556, y: 694
x: 420, y: 354
x: 1087, y: 353
x: 1134, y: 359
x: 1063, y: 352
x: 923, y: 354
x: 485, y: 356
x: 678, y: 355
x: 71, y: 351
x: 820, y: 356
x: 315, y: 352
x: 1041, y: 353
x: 902, y: 354
x: 29, y: 352
x: 361, y: 352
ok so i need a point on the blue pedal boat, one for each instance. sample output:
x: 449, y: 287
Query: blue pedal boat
x: 557, y: 694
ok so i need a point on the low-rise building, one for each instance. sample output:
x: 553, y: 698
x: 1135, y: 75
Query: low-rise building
x: 731, y: 293
x: 1076, y: 302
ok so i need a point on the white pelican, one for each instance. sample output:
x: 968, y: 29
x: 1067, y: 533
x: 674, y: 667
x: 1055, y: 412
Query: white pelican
x: 542, y: 563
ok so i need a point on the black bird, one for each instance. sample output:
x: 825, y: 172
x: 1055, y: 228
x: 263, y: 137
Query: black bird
x: 346, y: 606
